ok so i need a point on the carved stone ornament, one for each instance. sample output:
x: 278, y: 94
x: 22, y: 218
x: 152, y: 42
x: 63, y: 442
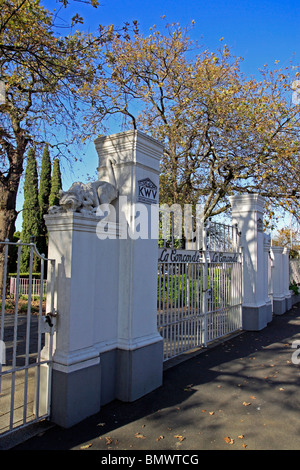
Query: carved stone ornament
x: 86, y: 197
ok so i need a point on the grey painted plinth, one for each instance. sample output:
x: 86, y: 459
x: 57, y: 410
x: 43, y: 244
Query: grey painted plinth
x: 279, y: 306
x: 139, y: 371
x: 295, y: 299
x: 128, y: 375
x: 108, y: 361
x: 121, y: 374
x: 75, y: 395
x: 256, y: 318
x: 289, y: 303
x: 269, y: 312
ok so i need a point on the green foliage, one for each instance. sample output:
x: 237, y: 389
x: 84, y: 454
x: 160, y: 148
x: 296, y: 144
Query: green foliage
x: 56, y: 184
x: 294, y: 287
x: 44, y: 193
x: 31, y: 213
x: 45, y: 181
x: 179, y: 290
x: 26, y: 275
x: 36, y: 205
x: 13, y: 253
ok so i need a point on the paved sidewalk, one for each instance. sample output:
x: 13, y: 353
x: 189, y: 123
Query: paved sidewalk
x: 239, y: 395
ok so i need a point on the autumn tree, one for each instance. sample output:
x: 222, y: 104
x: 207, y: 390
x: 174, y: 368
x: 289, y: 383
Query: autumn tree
x: 289, y: 238
x: 42, y: 72
x: 223, y: 133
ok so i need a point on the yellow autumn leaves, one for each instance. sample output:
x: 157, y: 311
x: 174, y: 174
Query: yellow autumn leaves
x: 223, y: 133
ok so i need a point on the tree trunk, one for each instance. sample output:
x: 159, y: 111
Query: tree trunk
x: 8, y: 213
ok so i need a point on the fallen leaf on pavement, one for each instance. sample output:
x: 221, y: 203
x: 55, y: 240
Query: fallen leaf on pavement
x: 181, y: 438
x: 139, y: 436
x: 228, y: 440
x: 108, y: 440
x: 86, y: 446
x: 246, y: 404
x: 241, y: 436
x: 159, y: 438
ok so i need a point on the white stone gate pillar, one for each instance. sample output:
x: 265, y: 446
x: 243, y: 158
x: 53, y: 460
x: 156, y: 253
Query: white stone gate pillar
x: 107, y: 343
x: 247, y: 213
x: 286, y: 264
x: 277, y: 274
x: 280, y: 272
x: 140, y: 347
x: 267, y: 263
x: 76, y: 374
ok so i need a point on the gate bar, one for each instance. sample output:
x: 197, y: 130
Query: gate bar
x: 3, y: 306
x: 28, y: 335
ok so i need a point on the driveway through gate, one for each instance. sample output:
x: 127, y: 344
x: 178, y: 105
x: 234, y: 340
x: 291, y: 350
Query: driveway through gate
x: 26, y: 343
x: 200, y: 290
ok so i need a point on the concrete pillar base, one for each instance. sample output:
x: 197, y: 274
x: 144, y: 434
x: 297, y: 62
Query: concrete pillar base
x: 139, y: 371
x: 279, y: 306
x: 256, y: 318
x: 288, y: 302
x: 75, y: 395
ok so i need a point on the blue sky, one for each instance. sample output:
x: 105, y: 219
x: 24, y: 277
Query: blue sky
x: 259, y: 31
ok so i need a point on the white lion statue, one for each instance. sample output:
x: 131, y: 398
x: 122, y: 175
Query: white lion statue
x: 86, y: 197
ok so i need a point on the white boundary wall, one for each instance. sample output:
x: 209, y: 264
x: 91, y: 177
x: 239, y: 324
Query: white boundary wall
x: 107, y: 341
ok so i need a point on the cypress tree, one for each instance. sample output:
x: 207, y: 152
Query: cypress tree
x: 31, y: 212
x: 56, y: 184
x: 44, y: 193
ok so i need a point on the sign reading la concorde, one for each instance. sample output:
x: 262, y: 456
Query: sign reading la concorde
x: 173, y: 255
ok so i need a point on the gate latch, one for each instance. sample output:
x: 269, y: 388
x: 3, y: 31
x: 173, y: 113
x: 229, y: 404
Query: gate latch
x: 209, y: 293
x: 48, y: 322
